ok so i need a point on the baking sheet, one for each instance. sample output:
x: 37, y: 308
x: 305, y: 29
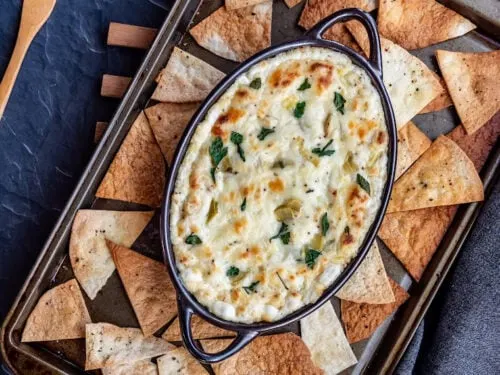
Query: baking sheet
x: 112, y: 305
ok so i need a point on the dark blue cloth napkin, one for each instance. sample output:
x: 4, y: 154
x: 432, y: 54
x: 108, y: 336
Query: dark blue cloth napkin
x: 46, y: 139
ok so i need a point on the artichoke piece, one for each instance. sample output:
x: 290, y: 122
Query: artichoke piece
x: 317, y: 241
x: 290, y: 209
x: 349, y: 165
x: 374, y: 158
x: 213, y: 210
x: 307, y: 154
x: 226, y: 166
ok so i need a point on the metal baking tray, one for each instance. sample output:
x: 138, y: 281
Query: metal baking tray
x: 379, y: 354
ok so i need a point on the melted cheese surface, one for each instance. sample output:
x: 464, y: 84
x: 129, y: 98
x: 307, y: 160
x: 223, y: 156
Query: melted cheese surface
x: 242, y: 271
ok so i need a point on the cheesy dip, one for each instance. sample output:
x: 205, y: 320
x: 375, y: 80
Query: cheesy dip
x: 279, y: 185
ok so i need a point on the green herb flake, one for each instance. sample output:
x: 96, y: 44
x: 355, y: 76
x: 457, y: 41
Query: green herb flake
x: 283, y: 234
x: 264, y: 132
x: 305, y: 85
x: 363, y: 182
x: 217, y: 152
x: 339, y: 102
x: 323, y: 151
x: 282, y: 281
x: 213, y: 210
x: 347, y: 230
x: 243, y: 206
x: 311, y: 257
x: 233, y: 271
x: 237, y: 139
x: 299, y: 110
x: 325, y: 225
x: 193, y: 239
x: 256, y: 83
x: 251, y: 288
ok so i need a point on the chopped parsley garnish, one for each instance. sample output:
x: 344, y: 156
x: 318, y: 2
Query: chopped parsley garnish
x: 299, y: 110
x: 251, y: 288
x: 347, y: 230
x: 339, y: 102
x: 311, y: 256
x: 282, y: 281
x: 363, y: 182
x: 237, y: 139
x: 233, y: 271
x: 193, y: 239
x: 264, y: 132
x: 325, y: 225
x: 243, y: 206
x: 256, y: 84
x: 305, y: 85
x: 323, y: 151
x: 217, y: 153
x: 283, y: 234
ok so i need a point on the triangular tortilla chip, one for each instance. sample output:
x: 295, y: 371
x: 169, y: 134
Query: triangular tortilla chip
x: 107, y: 345
x: 443, y: 176
x: 148, y: 288
x: 472, y: 80
x: 369, y: 284
x: 137, y: 173
x: 409, y: 82
x: 90, y: 258
x: 237, y: 4
x: 168, y: 121
x: 180, y: 362
x: 419, y: 23
x: 60, y: 314
x: 200, y: 328
x: 236, y: 34
x: 442, y: 101
x: 292, y: 3
x: 276, y: 354
x: 185, y: 79
x: 325, y: 338
x: 144, y: 367
x: 412, y: 143
x: 362, y: 319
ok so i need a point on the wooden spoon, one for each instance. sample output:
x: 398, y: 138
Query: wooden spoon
x: 34, y: 14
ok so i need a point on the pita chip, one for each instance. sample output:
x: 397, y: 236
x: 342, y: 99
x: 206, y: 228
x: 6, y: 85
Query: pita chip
x: 137, y: 173
x: 168, y: 121
x: 472, y: 80
x: 442, y: 176
x: 107, y: 345
x: 236, y: 34
x: 186, y: 78
x: 419, y: 23
x: 412, y: 143
x: 442, y: 101
x: 271, y: 355
x: 409, y: 82
x: 325, y: 338
x: 180, y: 362
x: 148, y: 288
x: 144, y: 367
x: 362, y: 319
x: 60, y: 314
x: 90, y: 258
x: 200, y: 328
x: 292, y: 3
x: 369, y: 284
x: 237, y: 4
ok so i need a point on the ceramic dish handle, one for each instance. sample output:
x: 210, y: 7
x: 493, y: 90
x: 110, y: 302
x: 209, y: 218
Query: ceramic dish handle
x: 241, y: 340
x: 368, y: 22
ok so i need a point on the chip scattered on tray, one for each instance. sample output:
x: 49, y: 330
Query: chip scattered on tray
x: 362, y: 319
x: 107, y: 345
x: 237, y: 4
x: 419, y: 23
x: 409, y: 82
x: 143, y: 367
x: 412, y: 143
x: 442, y: 176
x: 473, y: 83
x: 236, y: 34
x: 369, y: 284
x: 168, y: 121
x: 137, y: 173
x: 180, y: 362
x: 200, y: 328
x: 185, y: 79
x: 292, y: 3
x: 442, y: 101
x: 325, y: 338
x: 148, y: 287
x: 90, y: 258
x: 275, y: 354
x: 60, y: 314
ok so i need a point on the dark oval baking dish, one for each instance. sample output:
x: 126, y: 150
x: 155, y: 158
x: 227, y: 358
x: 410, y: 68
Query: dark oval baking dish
x: 187, y: 303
